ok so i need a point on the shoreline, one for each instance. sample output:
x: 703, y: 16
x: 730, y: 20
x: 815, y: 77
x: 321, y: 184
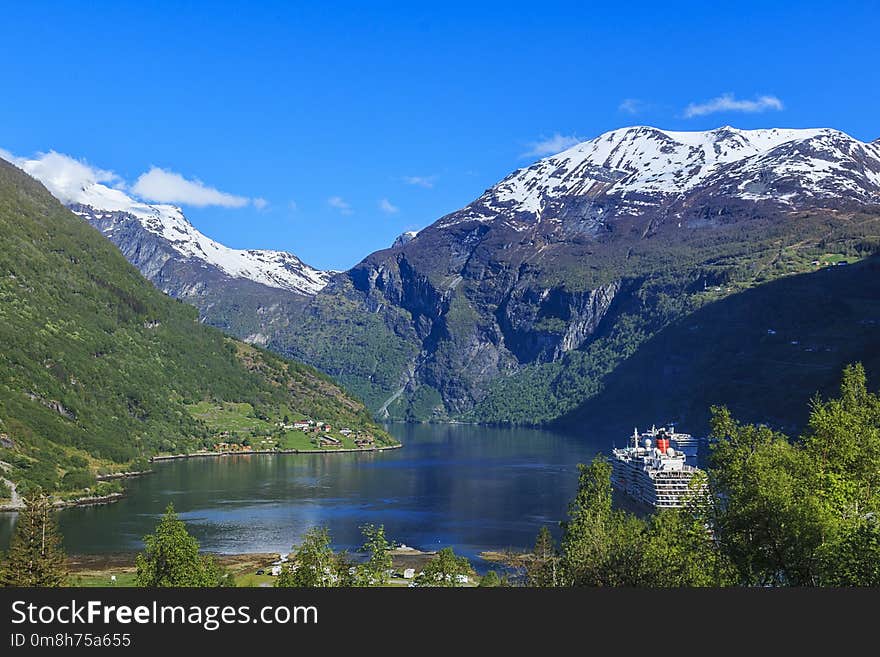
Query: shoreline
x: 89, y: 501
x: 97, y: 568
x: 123, y: 475
x: 344, y: 450
x: 115, y: 497
x: 64, y: 504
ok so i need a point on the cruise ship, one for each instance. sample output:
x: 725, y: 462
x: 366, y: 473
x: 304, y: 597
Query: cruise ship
x: 652, y: 471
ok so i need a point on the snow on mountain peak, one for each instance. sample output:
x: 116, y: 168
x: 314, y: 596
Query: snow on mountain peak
x: 272, y: 268
x: 404, y: 238
x: 79, y: 185
x: 641, y: 165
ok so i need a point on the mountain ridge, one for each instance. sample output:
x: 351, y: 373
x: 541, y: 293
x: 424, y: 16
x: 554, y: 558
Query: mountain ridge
x: 98, y: 368
x: 574, y: 247
x: 562, y: 269
x: 109, y: 208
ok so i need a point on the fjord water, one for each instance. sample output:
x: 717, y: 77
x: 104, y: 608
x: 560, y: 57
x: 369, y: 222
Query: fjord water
x: 474, y: 488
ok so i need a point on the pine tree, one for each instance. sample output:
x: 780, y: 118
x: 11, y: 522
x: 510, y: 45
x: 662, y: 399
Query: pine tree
x: 35, y: 557
x: 543, y: 568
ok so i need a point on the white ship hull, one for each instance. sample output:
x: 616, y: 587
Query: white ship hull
x: 660, y: 479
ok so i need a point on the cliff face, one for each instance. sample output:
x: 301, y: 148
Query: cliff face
x: 557, y: 273
x: 518, y: 306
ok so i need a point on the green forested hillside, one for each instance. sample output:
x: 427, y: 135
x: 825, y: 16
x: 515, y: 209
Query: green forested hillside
x: 466, y: 324
x: 760, y: 352
x: 98, y: 367
x: 682, y: 295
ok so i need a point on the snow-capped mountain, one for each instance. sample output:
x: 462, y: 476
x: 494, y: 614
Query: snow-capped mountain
x: 605, y: 240
x: 249, y: 293
x: 81, y: 188
x: 634, y: 171
x: 277, y: 269
x: 110, y: 208
x: 404, y: 238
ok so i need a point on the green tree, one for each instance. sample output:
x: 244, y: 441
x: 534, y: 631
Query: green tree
x: 768, y: 518
x: 35, y: 557
x: 679, y: 551
x: 77, y: 480
x: 854, y: 558
x: 345, y: 570
x: 490, y: 579
x: 374, y: 572
x: 778, y: 512
x: 543, y: 568
x: 171, y: 558
x: 444, y: 570
x: 314, y: 564
x: 139, y: 464
x: 844, y: 441
x: 601, y: 546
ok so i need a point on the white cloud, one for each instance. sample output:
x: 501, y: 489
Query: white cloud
x: 729, y: 103
x: 420, y: 181
x: 631, y: 106
x: 165, y: 186
x: 551, y: 145
x: 64, y: 176
x: 338, y: 203
x: 67, y: 179
x: 386, y: 206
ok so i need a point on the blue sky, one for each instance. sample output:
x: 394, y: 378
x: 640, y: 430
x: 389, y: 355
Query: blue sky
x: 355, y: 122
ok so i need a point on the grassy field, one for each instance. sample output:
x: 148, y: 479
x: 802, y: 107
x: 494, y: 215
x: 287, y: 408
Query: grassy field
x: 237, y: 422
x: 238, y: 418
x: 97, y: 570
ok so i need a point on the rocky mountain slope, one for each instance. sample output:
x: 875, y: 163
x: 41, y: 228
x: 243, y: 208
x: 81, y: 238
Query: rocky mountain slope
x: 516, y: 307
x: 97, y: 367
x: 760, y: 353
x: 519, y: 306
x: 131, y: 225
x: 249, y: 293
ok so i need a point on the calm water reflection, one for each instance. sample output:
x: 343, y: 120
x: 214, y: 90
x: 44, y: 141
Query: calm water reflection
x: 472, y: 487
